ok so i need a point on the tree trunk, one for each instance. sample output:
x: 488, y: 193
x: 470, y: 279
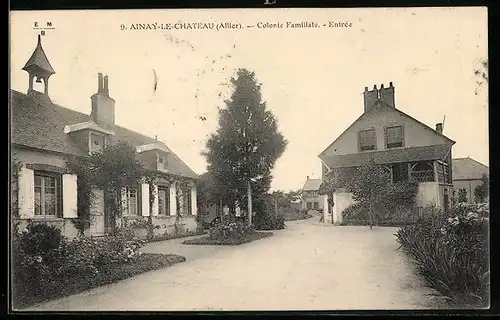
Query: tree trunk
x: 275, y: 207
x: 249, y: 197
x: 370, y: 214
x: 221, y: 211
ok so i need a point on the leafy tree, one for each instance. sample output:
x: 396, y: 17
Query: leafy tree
x: 243, y: 150
x: 294, y: 195
x: 462, y: 195
x: 210, y: 190
x: 368, y: 185
x: 116, y: 167
x: 482, y: 190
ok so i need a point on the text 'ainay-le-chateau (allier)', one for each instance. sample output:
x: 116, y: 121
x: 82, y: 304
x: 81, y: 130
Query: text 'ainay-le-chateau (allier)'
x: 232, y: 25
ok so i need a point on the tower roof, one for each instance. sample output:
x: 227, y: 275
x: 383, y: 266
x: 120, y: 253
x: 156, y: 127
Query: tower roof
x: 39, y: 59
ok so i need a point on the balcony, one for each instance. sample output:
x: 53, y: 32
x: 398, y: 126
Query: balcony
x: 422, y: 176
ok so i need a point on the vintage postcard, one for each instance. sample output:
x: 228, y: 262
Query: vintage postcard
x: 249, y: 159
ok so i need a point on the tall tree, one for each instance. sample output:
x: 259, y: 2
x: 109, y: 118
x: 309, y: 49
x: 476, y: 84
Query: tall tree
x: 247, y: 143
x: 481, y: 191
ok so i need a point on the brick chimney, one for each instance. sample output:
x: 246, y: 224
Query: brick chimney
x: 439, y: 128
x: 103, y: 107
x: 387, y: 95
x: 370, y: 97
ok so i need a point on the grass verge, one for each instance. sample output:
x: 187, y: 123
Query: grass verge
x: 77, y: 283
x: 229, y: 242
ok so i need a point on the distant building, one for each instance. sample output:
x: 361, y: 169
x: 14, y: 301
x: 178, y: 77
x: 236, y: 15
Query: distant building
x: 311, y: 199
x: 467, y: 174
x: 406, y: 147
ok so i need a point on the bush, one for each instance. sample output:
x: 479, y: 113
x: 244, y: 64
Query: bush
x: 44, y: 260
x: 230, y: 229
x: 40, y: 238
x: 269, y: 222
x: 357, y: 212
x: 451, y: 253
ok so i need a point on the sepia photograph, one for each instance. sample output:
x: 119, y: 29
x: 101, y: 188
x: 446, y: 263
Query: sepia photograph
x: 249, y: 160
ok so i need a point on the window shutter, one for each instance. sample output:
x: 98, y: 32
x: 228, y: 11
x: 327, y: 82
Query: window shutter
x: 173, y: 199
x: 124, y: 200
x: 155, y: 208
x: 145, y: 199
x: 370, y: 137
x: 194, y: 207
x: 26, y: 195
x: 70, y: 191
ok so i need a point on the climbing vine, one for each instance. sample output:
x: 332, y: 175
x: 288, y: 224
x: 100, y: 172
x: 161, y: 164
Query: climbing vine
x: 116, y: 167
x: 15, y: 168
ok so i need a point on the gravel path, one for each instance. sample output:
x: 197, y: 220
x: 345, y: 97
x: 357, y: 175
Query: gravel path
x: 304, y: 267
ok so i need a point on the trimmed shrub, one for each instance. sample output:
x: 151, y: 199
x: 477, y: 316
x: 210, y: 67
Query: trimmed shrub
x: 451, y: 253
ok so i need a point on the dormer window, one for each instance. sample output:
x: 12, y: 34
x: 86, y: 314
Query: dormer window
x: 97, y: 142
x: 394, y: 137
x: 162, y: 161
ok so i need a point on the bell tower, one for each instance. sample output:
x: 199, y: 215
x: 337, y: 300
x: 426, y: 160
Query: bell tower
x: 38, y: 66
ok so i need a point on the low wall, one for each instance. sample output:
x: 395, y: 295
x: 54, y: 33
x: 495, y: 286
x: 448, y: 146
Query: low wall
x: 341, y: 200
x: 428, y: 194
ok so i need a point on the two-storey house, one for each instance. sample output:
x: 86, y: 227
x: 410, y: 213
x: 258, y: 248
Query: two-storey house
x: 311, y: 199
x: 409, y: 149
x: 45, y: 134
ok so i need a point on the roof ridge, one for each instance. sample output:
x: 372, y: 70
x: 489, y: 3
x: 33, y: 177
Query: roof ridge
x: 88, y: 115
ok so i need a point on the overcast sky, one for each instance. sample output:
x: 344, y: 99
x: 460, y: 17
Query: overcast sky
x: 312, y: 79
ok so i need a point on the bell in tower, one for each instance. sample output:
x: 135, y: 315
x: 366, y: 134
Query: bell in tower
x: 39, y: 66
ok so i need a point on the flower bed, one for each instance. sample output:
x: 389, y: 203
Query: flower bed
x: 230, y: 231
x: 46, y: 265
x: 167, y: 236
x: 452, y: 253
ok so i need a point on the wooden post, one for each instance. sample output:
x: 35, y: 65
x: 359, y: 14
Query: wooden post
x: 434, y: 166
x: 409, y: 171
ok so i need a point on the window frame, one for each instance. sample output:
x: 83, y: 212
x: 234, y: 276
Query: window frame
x: 137, y: 201
x: 166, y: 202
x: 161, y: 160
x: 386, y: 137
x: 57, y: 194
x: 189, y: 201
x: 360, y: 147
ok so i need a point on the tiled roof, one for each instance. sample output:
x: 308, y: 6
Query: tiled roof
x: 38, y: 123
x: 468, y: 169
x: 433, y: 152
x: 312, y: 185
x: 39, y: 59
